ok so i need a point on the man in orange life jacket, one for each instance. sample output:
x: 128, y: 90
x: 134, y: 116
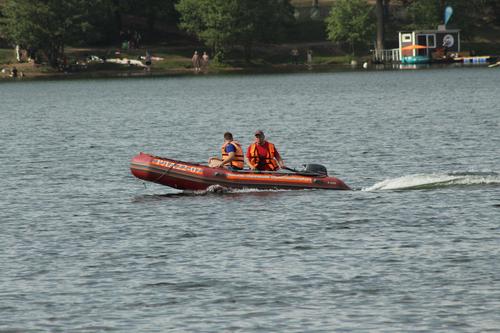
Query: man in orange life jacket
x: 232, y: 154
x: 262, y: 154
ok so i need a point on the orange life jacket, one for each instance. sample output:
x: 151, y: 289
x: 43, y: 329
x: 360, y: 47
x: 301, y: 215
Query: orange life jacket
x: 239, y: 159
x: 269, y: 162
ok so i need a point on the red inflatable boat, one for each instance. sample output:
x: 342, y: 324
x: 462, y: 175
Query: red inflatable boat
x: 194, y: 176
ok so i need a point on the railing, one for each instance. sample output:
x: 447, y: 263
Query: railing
x: 382, y: 56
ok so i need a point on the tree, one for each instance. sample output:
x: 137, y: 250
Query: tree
x: 223, y: 23
x: 155, y: 10
x: 350, y: 21
x: 427, y: 14
x: 46, y: 25
x: 262, y: 21
x: 152, y: 11
x: 382, y: 7
x: 424, y: 14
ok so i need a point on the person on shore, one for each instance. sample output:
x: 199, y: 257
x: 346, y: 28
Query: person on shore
x: 204, y: 60
x: 295, y: 56
x: 232, y: 156
x: 309, y: 57
x: 135, y: 39
x: 196, y: 61
x: 262, y: 154
x: 13, y: 72
x: 147, y: 60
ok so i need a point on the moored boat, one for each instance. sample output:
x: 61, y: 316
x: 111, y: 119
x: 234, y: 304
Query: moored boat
x: 195, y: 176
x: 415, y: 60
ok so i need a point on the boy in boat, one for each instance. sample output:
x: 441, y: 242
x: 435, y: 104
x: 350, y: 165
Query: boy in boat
x: 262, y: 154
x: 232, y: 154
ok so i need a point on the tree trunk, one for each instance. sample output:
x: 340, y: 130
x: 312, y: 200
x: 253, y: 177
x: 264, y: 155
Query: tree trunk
x: 117, y: 14
x: 54, y: 52
x: 218, y: 51
x: 380, y: 25
x: 248, y: 51
x: 118, y: 20
x: 151, y: 21
x: 442, y: 4
x: 52, y: 55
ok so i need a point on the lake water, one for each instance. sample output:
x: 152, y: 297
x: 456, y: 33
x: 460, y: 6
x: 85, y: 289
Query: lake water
x: 86, y: 247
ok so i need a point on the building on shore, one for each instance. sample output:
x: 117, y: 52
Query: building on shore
x: 429, y: 46
x: 422, y: 46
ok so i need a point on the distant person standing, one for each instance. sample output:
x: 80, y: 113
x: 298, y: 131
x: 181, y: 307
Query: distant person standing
x: 295, y: 56
x: 13, y: 72
x: 309, y: 57
x: 196, y: 61
x: 204, y: 60
x: 138, y: 39
x: 147, y: 60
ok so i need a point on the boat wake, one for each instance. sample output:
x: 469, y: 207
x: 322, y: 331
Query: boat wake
x: 437, y: 180
x: 211, y: 190
x: 217, y: 189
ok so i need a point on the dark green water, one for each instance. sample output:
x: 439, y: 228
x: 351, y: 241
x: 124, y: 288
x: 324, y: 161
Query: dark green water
x: 85, y: 247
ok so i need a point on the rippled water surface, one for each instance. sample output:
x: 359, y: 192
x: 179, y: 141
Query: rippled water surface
x: 86, y: 247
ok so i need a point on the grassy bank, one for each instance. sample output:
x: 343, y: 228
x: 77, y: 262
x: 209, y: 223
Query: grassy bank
x: 174, y: 60
x: 171, y: 60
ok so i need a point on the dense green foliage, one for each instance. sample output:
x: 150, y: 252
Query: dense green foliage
x: 46, y: 25
x: 50, y: 25
x: 424, y: 14
x: 148, y: 13
x: 224, y: 23
x: 351, y: 21
x: 428, y: 14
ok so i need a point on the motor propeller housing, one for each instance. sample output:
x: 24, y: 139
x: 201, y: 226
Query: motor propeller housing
x: 315, y: 168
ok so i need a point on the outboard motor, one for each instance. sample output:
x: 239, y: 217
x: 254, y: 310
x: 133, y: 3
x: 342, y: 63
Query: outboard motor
x: 315, y: 168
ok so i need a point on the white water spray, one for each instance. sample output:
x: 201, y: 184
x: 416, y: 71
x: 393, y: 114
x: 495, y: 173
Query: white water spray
x: 435, y: 180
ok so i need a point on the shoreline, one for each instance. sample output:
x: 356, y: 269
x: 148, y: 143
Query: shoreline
x: 174, y: 61
x: 93, y: 63
x: 175, y: 72
x: 136, y: 72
